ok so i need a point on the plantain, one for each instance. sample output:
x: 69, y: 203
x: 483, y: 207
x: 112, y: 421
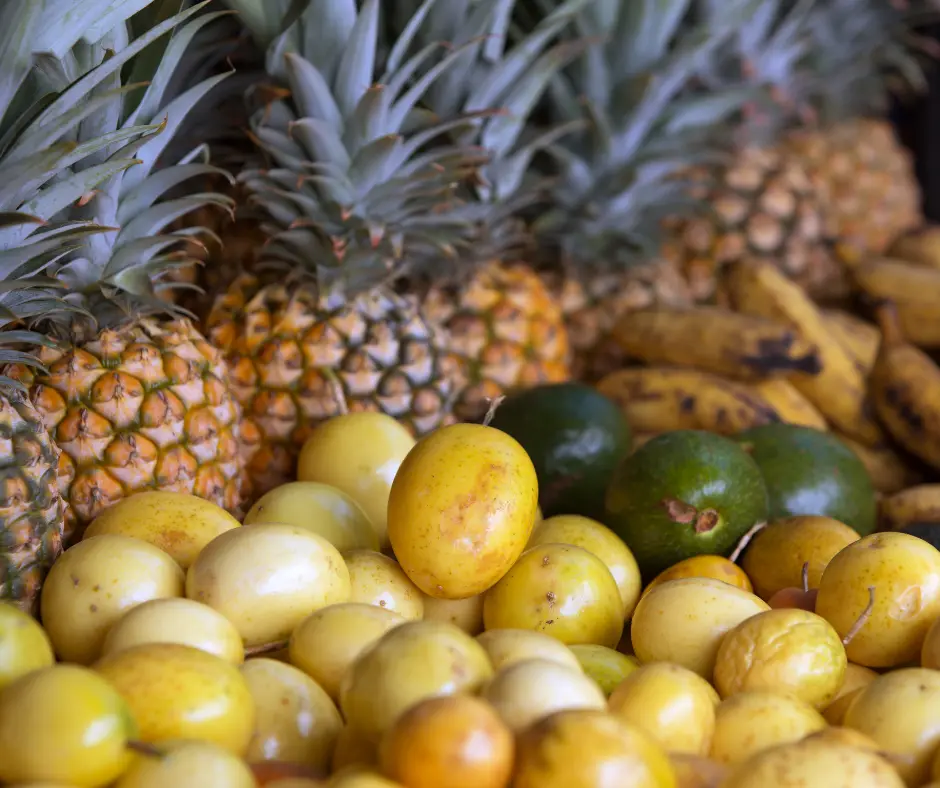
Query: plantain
x: 919, y: 504
x: 660, y: 399
x: 888, y: 470
x: 791, y: 406
x: 915, y: 292
x: 905, y: 387
x: 716, y: 340
x: 839, y: 391
x: 921, y: 247
x: 858, y: 336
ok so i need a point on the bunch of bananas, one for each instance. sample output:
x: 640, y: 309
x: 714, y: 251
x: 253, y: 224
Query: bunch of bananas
x: 770, y: 353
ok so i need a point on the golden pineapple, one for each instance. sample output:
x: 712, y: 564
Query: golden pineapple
x: 504, y: 331
x: 298, y: 357
x: 133, y: 397
x: 867, y: 180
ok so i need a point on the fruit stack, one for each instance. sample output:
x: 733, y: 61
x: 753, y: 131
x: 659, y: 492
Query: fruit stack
x: 482, y: 394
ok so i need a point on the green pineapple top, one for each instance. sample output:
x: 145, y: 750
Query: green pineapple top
x: 359, y: 175
x: 649, y: 120
x: 79, y: 157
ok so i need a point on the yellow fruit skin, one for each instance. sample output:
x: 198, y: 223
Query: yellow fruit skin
x: 24, y: 645
x: 905, y: 383
x: 672, y: 704
x: 661, y: 399
x: 899, y: 711
x: 323, y: 509
x: 600, y: 540
x: 327, y: 642
x: 267, y: 578
x: 792, y: 407
x: 714, y: 566
x: 95, y: 583
x: 707, y: 610
x: 378, y: 580
x: 750, y: 722
x: 180, y: 692
x: 506, y: 646
x: 788, y: 650
x: 856, y: 678
x: 465, y: 613
x: 295, y: 720
x: 606, y: 666
x: 775, y: 557
x: 589, y: 748
x: 815, y: 764
x: 177, y: 523
x: 358, y: 453
x: 905, y: 574
x: 857, y: 336
x: 188, y: 764
x: 527, y: 691
x: 920, y: 247
x: 176, y: 621
x: 914, y: 290
x: 461, y: 509
x: 79, y: 711
x: 915, y: 504
x: 561, y: 590
x: 839, y: 390
x: 416, y: 660
x: 714, y: 340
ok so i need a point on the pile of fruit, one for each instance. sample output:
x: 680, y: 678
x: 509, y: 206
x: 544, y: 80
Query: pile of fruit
x: 466, y: 394
x: 402, y: 615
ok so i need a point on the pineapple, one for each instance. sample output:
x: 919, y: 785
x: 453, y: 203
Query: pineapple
x: 132, y: 395
x: 621, y: 175
x: 859, y: 50
x: 350, y: 198
x: 504, y: 329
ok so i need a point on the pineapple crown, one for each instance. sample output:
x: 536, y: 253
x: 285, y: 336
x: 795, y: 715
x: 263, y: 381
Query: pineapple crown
x: 81, y: 162
x: 362, y: 177
x: 648, y: 123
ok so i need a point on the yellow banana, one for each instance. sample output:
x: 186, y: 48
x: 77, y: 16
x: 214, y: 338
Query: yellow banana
x: 905, y: 387
x: 921, y: 247
x: 858, y: 336
x: 920, y: 504
x: 715, y: 340
x: 642, y: 438
x: 915, y: 292
x: 792, y: 406
x: 889, y: 471
x: 839, y: 390
x: 660, y: 399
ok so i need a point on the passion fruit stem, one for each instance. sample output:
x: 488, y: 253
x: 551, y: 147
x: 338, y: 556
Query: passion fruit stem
x: 745, y: 540
x: 266, y: 648
x: 804, y: 577
x: 495, y: 402
x: 338, y: 392
x: 862, y: 619
x: 143, y: 748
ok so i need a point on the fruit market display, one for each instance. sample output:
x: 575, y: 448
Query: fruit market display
x: 479, y: 394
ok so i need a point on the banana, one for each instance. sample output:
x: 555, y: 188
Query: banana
x: 905, y: 387
x: 715, y: 340
x: 920, y: 504
x: 642, y: 438
x: 858, y: 336
x: 915, y: 292
x: 839, y: 390
x: 921, y: 247
x: 888, y: 470
x: 660, y: 399
x: 792, y: 406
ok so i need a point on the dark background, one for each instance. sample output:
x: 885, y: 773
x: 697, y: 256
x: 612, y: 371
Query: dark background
x: 918, y: 124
